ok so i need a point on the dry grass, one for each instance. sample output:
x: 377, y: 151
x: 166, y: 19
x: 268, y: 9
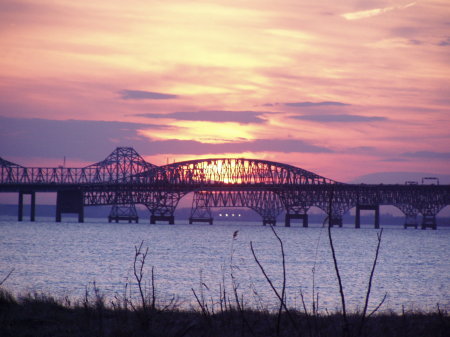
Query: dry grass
x: 42, y: 315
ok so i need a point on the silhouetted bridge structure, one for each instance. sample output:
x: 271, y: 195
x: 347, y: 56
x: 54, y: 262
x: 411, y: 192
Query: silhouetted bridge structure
x: 125, y: 179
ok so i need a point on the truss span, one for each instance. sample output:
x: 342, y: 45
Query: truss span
x: 125, y: 178
x: 239, y: 171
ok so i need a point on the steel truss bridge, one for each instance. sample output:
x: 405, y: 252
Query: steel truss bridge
x: 125, y: 179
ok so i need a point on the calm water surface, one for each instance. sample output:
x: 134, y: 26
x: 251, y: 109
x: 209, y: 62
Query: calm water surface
x: 64, y: 258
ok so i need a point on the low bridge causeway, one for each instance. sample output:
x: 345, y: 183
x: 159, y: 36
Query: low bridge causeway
x: 124, y: 179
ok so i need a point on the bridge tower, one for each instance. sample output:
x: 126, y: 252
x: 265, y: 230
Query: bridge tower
x: 201, y: 210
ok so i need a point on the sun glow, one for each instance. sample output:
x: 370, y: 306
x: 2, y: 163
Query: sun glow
x: 204, y: 132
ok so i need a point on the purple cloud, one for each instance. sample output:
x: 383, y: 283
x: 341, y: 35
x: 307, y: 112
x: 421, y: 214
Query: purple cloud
x: 444, y: 43
x: 427, y: 155
x: 175, y: 146
x: 92, y: 140
x: 314, y: 104
x: 331, y: 118
x: 140, y: 95
x: 211, y: 116
x: 85, y: 140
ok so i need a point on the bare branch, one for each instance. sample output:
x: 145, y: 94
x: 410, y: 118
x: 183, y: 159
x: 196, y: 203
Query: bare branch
x: 138, y: 268
x: 6, y: 277
x: 369, y: 287
x: 273, y: 288
x: 378, y: 306
x: 283, y: 289
x: 336, y: 268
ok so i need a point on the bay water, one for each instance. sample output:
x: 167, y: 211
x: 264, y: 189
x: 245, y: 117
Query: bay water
x: 65, y: 259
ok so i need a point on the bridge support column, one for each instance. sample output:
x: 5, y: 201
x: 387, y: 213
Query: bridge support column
x: 169, y: 218
x: 208, y: 220
x: 335, y: 221
x: 32, y: 205
x: 123, y: 212
x: 410, y: 221
x: 271, y: 222
x: 360, y: 208
x: 429, y: 221
x: 289, y: 217
x: 201, y: 210
x: 69, y: 201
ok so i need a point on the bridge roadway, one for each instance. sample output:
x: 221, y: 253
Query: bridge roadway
x: 125, y: 179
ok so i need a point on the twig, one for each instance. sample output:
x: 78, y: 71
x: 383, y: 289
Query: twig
x: 235, y: 288
x: 138, y: 267
x: 283, y: 289
x: 205, y: 313
x: 6, y: 277
x: 336, y: 268
x: 369, y: 287
x: 274, y: 289
x: 153, y: 289
x: 378, y: 306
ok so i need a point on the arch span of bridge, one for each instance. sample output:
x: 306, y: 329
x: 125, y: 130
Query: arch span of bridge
x: 125, y: 179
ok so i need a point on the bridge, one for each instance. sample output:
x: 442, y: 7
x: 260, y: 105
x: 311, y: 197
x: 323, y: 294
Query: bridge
x: 124, y: 179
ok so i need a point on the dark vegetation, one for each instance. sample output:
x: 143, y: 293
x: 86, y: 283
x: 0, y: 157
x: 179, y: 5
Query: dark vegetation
x: 42, y: 315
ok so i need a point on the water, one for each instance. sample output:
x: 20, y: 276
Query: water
x: 63, y: 259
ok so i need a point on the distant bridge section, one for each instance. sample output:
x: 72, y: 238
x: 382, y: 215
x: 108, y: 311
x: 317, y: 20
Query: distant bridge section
x: 125, y: 179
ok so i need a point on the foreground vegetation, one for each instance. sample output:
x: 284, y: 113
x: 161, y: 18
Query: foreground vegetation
x: 40, y: 315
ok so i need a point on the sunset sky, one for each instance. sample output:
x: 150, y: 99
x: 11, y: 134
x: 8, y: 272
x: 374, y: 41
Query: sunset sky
x: 341, y: 88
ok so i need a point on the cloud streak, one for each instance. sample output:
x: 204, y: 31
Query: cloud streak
x: 314, y: 104
x: 87, y: 140
x: 332, y: 118
x: 175, y: 146
x: 373, y: 12
x: 90, y: 140
x: 144, y: 95
x: 428, y: 155
x: 218, y: 116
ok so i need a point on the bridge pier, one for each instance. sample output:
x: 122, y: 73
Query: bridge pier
x: 123, y: 212
x: 208, y: 220
x: 410, y: 221
x: 335, y: 221
x: 69, y: 201
x: 289, y: 217
x: 360, y: 208
x: 201, y: 209
x: 429, y: 221
x: 270, y: 222
x: 32, y: 205
x: 169, y: 218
